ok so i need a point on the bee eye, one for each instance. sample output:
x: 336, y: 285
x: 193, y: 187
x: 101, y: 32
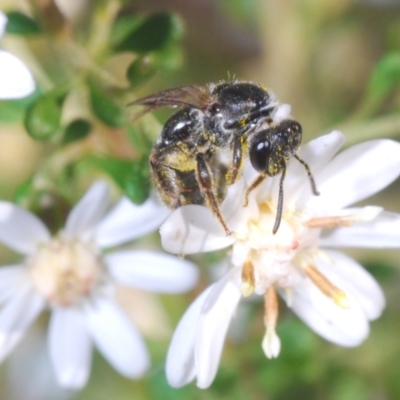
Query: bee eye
x: 260, y: 151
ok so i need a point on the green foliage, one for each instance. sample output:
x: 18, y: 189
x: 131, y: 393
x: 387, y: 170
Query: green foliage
x: 21, y: 24
x: 43, y: 116
x: 105, y: 108
x: 385, y: 78
x: 153, y: 33
x: 76, y: 130
x: 131, y: 176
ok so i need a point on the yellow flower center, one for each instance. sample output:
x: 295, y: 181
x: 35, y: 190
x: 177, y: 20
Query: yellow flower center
x: 65, y: 271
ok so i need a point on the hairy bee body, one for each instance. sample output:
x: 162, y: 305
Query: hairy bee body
x: 202, y: 147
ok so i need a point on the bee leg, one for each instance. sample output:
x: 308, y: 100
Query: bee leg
x: 236, y: 161
x: 255, y: 183
x: 165, y: 180
x: 204, y: 179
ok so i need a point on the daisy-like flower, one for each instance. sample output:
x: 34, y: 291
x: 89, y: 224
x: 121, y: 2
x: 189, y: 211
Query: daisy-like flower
x: 328, y: 290
x: 16, y: 81
x: 70, y: 275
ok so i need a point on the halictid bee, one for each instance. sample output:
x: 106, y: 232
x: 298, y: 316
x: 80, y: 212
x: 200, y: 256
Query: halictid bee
x: 230, y: 118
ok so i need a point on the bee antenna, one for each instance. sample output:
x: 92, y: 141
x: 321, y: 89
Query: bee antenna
x: 278, y: 217
x: 310, y: 176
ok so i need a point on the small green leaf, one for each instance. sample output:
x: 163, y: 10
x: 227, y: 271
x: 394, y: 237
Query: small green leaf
x: 142, y: 69
x: 43, y: 116
x: 385, y: 77
x: 123, y: 27
x: 76, y: 130
x: 153, y: 34
x: 23, y: 191
x: 137, y: 185
x: 21, y: 24
x: 131, y: 176
x: 106, y: 109
x: 170, y: 58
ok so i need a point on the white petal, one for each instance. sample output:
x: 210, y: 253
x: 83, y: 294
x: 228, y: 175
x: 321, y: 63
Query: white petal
x: 156, y: 272
x: 88, y: 212
x: 16, y: 316
x: 21, y: 230
x: 345, y: 327
x: 11, y: 278
x: 382, y: 232
x: 354, y: 280
x: 117, y: 339
x: 70, y: 347
x: 3, y: 23
x: 213, y: 324
x: 180, y: 366
x: 193, y: 229
x: 316, y: 154
x: 16, y: 81
x: 357, y: 173
x: 127, y: 221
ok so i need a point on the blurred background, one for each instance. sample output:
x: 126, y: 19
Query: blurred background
x: 336, y: 62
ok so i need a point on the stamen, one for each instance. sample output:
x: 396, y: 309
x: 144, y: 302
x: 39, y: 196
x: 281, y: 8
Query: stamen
x: 327, y: 288
x: 271, y: 343
x: 366, y: 214
x: 248, y: 280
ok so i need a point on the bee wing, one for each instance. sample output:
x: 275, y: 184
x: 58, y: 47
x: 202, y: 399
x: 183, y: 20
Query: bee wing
x: 195, y: 96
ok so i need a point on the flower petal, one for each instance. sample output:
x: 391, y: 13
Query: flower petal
x: 382, y: 232
x: 16, y: 316
x: 21, y: 230
x: 11, y: 278
x: 354, y: 280
x: 212, y: 326
x: 316, y: 154
x: 156, y: 272
x: 70, y: 347
x: 117, y: 338
x: 345, y: 327
x: 193, y: 229
x: 16, y: 81
x: 357, y: 173
x: 87, y: 213
x: 180, y: 366
x: 3, y: 23
x: 127, y: 221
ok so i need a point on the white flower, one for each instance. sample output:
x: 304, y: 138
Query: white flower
x: 15, y: 79
x: 331, y: 292
x: 69, y: 274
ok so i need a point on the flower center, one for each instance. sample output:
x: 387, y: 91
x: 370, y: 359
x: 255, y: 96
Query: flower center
x: 65, y: 271
x: 265, y: 257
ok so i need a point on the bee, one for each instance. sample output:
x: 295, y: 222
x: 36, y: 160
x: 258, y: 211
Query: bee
x: 230, y: 120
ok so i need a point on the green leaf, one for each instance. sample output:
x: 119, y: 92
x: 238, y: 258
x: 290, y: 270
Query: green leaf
x: 43, y: 116
x: 153, y: 34
x: 142, y: 69
x: 23, y: 191
x: 14, y: 110
x: 170, y: 58
x: 131, y: 176
x: 76, y: 130
x: 123, y: 27
x: 106, y: 109
x: 385, y: 77
x: 21, y: 24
